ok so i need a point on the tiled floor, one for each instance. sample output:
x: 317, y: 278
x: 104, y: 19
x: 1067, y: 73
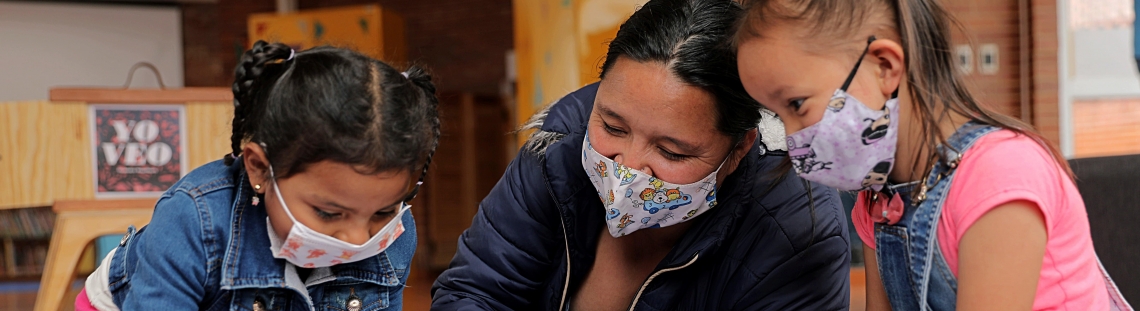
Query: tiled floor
x: 417, y: 297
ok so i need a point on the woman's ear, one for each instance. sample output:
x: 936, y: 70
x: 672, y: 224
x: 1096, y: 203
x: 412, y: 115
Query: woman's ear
x: 891, y: 69
x: 256, y: 166
x: 741, y: 149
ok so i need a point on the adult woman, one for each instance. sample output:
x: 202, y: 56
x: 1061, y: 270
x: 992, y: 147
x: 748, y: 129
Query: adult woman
x: 698, y: 215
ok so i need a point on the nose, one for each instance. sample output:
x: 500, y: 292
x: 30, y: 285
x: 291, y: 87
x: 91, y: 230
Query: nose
x: 633, y: 161
x: 354, y: 236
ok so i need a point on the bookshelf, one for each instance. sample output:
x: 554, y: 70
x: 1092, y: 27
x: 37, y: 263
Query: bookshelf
x: 24, y: 236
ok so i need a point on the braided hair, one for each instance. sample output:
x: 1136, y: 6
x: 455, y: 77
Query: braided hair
x: 333, y: 104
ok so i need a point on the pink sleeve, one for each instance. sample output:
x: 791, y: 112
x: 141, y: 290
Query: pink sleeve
x: 862, y: 221
x: 1001, y: 168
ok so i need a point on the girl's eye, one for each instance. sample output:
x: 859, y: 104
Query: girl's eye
x: 326, y: 215
x: 796, y: 103
x: 672, y: 156
x: 612, y: 130
x: 384, y: 213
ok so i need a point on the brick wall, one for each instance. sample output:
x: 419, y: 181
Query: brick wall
x: 1046, y: 104
x: 996, y: 22
x: 464, y: 42
x: 991, y: 22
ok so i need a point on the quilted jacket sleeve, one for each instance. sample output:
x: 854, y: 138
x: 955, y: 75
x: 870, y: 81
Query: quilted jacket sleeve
x: 505, y: 259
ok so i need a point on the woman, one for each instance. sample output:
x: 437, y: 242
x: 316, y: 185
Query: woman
x: 651, y: 190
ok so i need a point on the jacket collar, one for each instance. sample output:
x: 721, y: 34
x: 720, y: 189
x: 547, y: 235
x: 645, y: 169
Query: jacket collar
x: 248, y: 263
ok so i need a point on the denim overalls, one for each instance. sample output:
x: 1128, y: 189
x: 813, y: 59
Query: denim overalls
x: 914, y: 273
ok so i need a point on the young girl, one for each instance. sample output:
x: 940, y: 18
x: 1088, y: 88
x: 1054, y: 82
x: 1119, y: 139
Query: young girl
x: 309, y: 212
x: 960, y: 207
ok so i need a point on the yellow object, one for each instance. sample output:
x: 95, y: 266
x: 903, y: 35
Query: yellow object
x: 560, y: 46
x: 77, y: 224
x: 45, y: 148
x: 87, y: 261
x: 369, y: 29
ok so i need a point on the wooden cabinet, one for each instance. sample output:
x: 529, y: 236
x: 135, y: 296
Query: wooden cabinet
x: 474, y: 150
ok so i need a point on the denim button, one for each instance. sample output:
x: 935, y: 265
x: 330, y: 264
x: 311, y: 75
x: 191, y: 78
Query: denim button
x: 124, y: 240
x: 258, y: 305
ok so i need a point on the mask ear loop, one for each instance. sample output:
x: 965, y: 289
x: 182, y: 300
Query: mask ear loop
x: 851, y: 76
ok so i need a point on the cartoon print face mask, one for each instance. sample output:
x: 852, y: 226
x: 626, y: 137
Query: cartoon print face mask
x: 853, y: 147
x: 305, y: 247
x: 635, y: 200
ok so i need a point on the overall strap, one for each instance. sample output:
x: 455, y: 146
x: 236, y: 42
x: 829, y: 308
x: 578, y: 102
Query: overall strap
x: 930, y: 199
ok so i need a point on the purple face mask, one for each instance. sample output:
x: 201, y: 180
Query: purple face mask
x: 853, y: 147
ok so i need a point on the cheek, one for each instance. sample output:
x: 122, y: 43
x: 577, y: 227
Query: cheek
x: 604, y: 143
x: 681, y: 173
x: 277, y: 218
x: 870, y: 97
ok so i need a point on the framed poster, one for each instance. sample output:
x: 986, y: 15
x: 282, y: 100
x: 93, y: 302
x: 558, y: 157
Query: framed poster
x: 137, y: 150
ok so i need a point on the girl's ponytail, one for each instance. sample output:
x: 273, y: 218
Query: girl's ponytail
x: 264, y: 62
x: 427, y: 105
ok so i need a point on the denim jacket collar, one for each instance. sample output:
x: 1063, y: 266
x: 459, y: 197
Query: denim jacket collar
x: 248, y: 263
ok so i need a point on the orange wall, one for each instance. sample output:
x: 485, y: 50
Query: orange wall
x: 1106, y: 127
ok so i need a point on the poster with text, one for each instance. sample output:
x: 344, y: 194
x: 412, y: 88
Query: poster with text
x: 139, y: 150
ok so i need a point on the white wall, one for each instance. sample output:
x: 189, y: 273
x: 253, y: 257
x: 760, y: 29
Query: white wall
x: 43, y: 45
x: 1102, y: 64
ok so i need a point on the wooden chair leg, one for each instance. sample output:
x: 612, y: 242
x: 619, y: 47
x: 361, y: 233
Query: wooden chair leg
x: 60, y: 266
x: 73, y: 231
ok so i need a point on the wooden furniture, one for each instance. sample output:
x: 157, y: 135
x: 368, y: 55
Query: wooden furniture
x: 473, y: 152
x: 45, y: 160
x: 77, y: 224
x: 560, y: 46
x: 369, y: 29
x: 45, y: 146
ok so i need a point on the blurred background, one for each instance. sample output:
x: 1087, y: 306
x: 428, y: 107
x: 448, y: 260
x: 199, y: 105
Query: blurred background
x: 1068, y: 67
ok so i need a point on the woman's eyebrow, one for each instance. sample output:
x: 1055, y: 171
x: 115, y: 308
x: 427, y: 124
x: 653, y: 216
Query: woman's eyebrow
x: 610, y: 113
x: 684, y: 146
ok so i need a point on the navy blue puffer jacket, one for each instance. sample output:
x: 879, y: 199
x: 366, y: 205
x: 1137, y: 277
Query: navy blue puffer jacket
x: 533, y: 240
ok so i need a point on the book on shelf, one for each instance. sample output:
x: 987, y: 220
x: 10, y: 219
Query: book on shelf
x: 24, y: 237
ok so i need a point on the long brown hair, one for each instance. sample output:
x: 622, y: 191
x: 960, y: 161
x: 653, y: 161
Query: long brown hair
x: 935, y: 85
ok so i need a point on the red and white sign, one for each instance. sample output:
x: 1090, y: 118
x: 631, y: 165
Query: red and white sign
x: 138, y: 150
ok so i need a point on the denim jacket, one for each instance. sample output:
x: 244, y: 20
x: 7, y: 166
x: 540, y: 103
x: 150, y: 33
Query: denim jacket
x: 207, y: 248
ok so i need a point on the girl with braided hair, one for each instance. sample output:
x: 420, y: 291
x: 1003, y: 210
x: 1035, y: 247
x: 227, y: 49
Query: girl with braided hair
x: 309, y: 211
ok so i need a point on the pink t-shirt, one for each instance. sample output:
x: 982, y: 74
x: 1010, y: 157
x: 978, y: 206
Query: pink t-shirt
x: 1003, y: 167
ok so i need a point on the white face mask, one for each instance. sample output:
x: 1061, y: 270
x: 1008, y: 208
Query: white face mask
x: 307, y: 248
x: 635, y: 200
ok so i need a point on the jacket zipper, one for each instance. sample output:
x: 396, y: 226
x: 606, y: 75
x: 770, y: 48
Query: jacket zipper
x: 654, y: 275
x: 566, y: 285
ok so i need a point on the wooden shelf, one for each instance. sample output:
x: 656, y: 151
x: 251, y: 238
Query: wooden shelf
x: 142, y: 96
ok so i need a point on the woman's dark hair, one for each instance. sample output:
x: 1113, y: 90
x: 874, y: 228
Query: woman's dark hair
x: 692, y: 38
x: 332, y: 104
